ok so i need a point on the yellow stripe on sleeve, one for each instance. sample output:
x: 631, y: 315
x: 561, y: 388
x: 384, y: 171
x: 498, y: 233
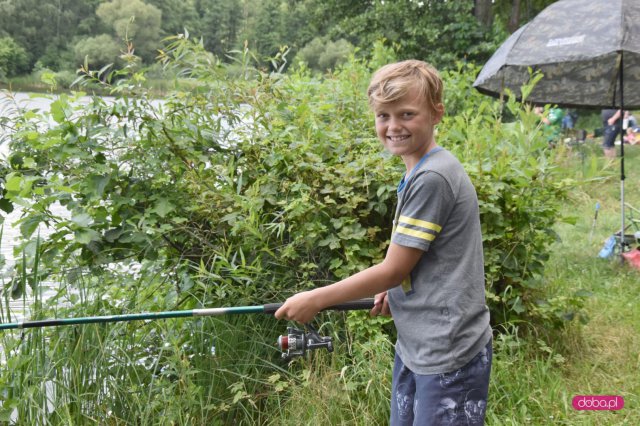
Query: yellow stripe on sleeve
x: 415, y: 233
x: 420, y: 223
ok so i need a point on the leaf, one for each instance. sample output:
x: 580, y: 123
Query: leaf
x: 30, y: 224
x: 113, y: 234
x: 239, y: 396
x: 6, y: 412
x: 163, y: 206
x: 274, y: 378
x: 518, y: 307
x: 95, y: 185
x: 17, y: 287
x: 132, y: 237
x: 14, y: 182
x: 583, y: 293
x: 85, y: 236
x: 57, y: 111
x: 83, y: 220
x: 6, y: 205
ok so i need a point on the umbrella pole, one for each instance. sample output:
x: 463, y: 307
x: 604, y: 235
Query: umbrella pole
x: 622, y: 177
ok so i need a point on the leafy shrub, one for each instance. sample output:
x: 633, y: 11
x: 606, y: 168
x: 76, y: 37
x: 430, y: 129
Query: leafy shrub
x: 519, y: 189
x: 97, y: 51
x: 272, y: 183
x: 257, y: 186
x: 14, y: 59
x: 321, y: 54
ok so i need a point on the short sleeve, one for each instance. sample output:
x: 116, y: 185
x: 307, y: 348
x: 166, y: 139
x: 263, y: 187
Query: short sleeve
x: 425, y: 204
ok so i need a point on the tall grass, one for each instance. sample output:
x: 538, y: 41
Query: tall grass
x: 175, y: 372
x: 535, y: 379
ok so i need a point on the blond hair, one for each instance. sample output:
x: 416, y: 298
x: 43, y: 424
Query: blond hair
x: 393, y: 81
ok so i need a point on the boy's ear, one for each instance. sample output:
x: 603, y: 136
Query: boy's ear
x: 438, y: 113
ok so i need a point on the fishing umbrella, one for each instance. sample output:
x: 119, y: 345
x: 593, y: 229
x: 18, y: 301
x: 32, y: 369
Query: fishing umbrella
x: 588, y: 52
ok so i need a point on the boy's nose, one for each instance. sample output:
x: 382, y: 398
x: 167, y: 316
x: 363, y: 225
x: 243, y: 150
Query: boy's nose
x: 394, y: 123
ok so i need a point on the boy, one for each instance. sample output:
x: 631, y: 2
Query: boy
x: 432, y: 278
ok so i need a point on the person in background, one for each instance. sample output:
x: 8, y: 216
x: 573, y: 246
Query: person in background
x: 612, y: 125
x: 569, y: 120
x: 432, y: 278
x: 633, y: 135
x: 552, y: 121
x: 630, y: 128
x: 629, y: 120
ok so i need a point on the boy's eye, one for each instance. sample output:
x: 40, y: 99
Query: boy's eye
x: 408, y: 114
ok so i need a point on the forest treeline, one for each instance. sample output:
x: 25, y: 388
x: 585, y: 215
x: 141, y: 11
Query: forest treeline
x: 59, y: 35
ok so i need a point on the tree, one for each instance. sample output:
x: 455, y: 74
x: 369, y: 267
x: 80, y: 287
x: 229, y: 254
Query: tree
x: 266, y: 29
x: 134, y: 21
x: 439, y: 32
x: 45, y: 26
x: 482, y: 12
x: 13, y: 58
x: 512, y: 14
x: 177, y: 15
x: 98, y: 51
x: 219, y: 23
x: 514, y: 18
x: 321, y: 55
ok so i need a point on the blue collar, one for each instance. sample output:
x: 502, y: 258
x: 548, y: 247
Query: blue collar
x: 406, y: 178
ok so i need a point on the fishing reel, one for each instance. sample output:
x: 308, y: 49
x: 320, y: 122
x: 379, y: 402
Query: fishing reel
x: 297, y: 342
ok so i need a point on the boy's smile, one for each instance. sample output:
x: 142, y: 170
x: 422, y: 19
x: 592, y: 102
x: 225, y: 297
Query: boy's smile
x: 405, y: 127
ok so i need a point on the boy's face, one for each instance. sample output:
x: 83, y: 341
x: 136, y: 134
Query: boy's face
x: 405, y: 127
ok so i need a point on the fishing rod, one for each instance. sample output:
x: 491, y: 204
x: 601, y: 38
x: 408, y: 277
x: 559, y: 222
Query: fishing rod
x: 295, y: 343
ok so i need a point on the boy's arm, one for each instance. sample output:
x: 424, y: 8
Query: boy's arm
x: 398, y: 263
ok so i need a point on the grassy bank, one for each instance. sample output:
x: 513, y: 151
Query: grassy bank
x: 535, y: 380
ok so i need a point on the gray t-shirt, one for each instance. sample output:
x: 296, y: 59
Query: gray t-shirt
x: 440, y: 311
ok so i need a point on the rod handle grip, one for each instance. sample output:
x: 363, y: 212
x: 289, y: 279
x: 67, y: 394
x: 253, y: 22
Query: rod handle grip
x: 354, y: 305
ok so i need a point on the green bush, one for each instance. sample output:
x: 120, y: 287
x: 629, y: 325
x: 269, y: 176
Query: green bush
x: 14, y: 59
x: 520, y: 191
x: 97, y: 51
x: 321, y: 54
x: 275, y: 182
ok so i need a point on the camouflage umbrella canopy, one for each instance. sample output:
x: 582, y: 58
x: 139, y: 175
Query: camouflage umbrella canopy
x: 588, y: 52
x: 584, y: 48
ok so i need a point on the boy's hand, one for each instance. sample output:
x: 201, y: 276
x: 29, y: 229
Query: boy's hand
x: 301, y: 307
x: 380, y: 305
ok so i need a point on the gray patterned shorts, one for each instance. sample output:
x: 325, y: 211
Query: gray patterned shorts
x: 455, y: 398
